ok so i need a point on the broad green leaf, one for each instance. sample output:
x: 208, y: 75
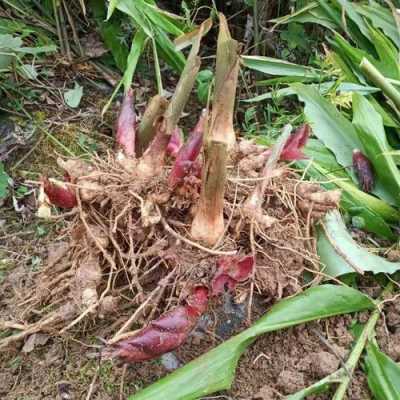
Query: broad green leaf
x: 295, y: 36
x: 217, y: 367
x: 111, y: 32
x: 351, y: 11
x: 166, y: 49
x: 9, y: 42
x: 111, y: 7
x: 376, y: 147
x: 340, y: 254
x: 311, y: 13
x: 161, y: 18
x: 328, y: 124
x: 382, y: 18
x: 132, y: 9
x: 388, y: 54
x: 73, y: 96
x: 275, y: 66
x: 38, y: 49
x: 28, y: 71
x: 383, y: 374
x: 388, y: 117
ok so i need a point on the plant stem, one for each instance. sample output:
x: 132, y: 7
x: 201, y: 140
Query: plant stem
x: 226, y: 77
x: 208, y: 223
x: 380, y: 81
x: 157, y: 69
x: 184, y: 86
x: 155, y: 109
x: 355, y: 355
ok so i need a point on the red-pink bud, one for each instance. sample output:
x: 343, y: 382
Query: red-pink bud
x: 126, y: 126
x: 293, y: 147
x: 59, y: 194
x: 188, y: 153
x: 364, y: 170
x: 175, y: 143
x: 164, y: 334
x: 231, y: 271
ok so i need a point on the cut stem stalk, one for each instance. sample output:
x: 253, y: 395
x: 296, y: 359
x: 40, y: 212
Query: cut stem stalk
x: 156, y: 108
x: 208, y: 223
x: 226, y: 77
x: 381, y: 82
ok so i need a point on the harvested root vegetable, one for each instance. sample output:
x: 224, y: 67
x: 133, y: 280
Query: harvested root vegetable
x: 60, y: 194
x: 164, y: 334
x: 130, y: 245
x: 317, y: 201
x: 364, y: 171
x: 188, y: 153
x: 126, y: 126
x: 231, y: 271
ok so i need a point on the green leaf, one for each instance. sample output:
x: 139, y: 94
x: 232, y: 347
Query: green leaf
x: 381, y: 18
x: 311, y: 13
x: 383, y: 374
x: 73, y: 96
x: 4, y: 178
x: 373, y: 211
x: 217, y: 367
x: 111, y: 32
x: 387, y: 53
x: 328, y: 124
x: 204, y: 80
x: 295, y: 36
x: 340, y: 254
x: 323, y: 88
x: 111, y: 7
x: 351, y: 11
x: 275, y: 66
x: 28, y: 71
x: 137, y: 46
x: 376, y: 147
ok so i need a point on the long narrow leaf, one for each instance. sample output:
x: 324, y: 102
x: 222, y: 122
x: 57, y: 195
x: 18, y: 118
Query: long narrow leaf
x: 323, y: 88
x: 275, y: 66
x: 383, y: 374
x: 381, y: 18
x: 217, y: 367
x: 341, y: 254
